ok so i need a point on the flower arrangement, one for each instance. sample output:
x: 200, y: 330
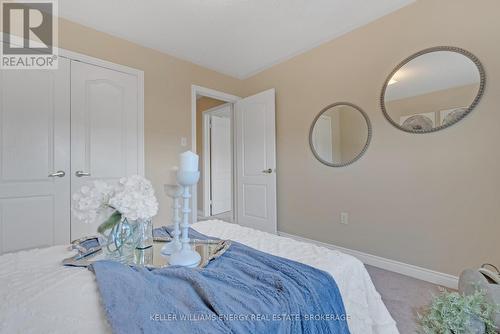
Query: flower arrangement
x: 453, y: 313
x: 132, y: 198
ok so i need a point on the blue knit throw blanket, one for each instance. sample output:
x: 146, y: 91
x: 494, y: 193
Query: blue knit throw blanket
x: 244, y: 291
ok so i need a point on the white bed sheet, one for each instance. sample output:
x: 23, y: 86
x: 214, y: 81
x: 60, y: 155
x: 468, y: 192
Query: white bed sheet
x: 38, y: 295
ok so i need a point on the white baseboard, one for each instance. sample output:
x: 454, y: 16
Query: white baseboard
x: 423, y: 274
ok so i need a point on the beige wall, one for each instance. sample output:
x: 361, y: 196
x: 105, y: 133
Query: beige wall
x: 167, y: 102
x: 429, y: 200
x: 437, y: 208
x: 202, y: 104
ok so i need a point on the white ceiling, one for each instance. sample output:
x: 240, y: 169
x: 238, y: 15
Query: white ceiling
x: 432, y: 72
x: 235, y: 37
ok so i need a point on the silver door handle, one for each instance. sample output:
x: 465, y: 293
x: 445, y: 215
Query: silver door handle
x: 267, y: 171
x: 59, y: 173
x: 80, y: 173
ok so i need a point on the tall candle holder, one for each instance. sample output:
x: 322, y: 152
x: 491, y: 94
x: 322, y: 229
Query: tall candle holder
x: 186, y: 256
x: 174, y: 191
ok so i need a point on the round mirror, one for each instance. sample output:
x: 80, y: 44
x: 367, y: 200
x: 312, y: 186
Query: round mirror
x: 340, y: 134
x: 432, y: 89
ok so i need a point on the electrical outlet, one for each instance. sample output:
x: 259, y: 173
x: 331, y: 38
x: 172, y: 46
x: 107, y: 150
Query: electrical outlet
x: 183, y: 141
x: 344, y: 218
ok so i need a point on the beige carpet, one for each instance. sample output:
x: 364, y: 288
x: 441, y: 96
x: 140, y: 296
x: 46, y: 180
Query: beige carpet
x: 403, y: 296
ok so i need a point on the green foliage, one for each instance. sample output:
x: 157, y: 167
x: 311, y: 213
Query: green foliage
x: 110, y: 222
x: 452, y: 313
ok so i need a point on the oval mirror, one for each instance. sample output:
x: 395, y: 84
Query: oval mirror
x: 432, y: 89
x: 340, y: 134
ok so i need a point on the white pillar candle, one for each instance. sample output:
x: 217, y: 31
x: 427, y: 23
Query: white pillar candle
x: 188, y: 162
x: 173, y: 174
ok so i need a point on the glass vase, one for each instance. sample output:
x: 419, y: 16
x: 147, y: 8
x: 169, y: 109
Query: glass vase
x: 126, y: 236
x: 144, y: 233
x: 121, y: 240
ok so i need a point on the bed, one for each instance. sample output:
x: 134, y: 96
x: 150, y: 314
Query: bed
x: 41, y: 296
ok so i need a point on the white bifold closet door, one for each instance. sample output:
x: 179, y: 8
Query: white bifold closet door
x: 104, y: 129
x: 59, y: 130
x: 34, y: 146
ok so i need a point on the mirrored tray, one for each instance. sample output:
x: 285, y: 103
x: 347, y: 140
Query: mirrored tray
x: 89, y: 251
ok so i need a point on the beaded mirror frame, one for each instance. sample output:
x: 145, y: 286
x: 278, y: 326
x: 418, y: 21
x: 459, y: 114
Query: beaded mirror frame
x: 482, y: 84
x: 365, y: 147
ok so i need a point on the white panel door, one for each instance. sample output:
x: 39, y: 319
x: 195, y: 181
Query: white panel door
x: 34, y: 143
x: 322, y: 138
x: 104, y: 129
x: 221, y: 164
x: 256, y: 161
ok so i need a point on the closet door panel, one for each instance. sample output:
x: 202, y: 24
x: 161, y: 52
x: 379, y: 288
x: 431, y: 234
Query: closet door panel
x: 34, y: 143
x: 104, y: 129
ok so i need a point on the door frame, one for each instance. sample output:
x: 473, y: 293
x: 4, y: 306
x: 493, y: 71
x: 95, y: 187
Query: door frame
x: 75, y: 56
x: 207, y: 156
x: 214, y: 94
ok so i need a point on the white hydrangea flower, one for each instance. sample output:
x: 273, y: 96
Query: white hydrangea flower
x: 134, y: 198
x: 90, y: 201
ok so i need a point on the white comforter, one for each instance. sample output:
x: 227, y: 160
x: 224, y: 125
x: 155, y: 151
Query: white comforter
x: 38, y: 295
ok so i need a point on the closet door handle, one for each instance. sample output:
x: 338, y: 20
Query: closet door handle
x: 80, y: 173
x: 267, y: 171
x: 59, y: 173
